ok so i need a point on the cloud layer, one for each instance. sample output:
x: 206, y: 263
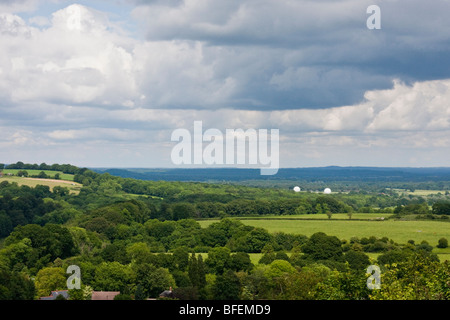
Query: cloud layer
x: 76, y: 87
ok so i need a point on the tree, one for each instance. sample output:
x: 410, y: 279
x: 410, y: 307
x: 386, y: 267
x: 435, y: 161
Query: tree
x: 441, y: 208
x: 227, y: 286
x: 60, y: 191
x: 181, y: 278
x: 62, y: 242
x: 344, y: 285
x: 442, y: 243
x: 139, y: 293
x: 160, y: 229
x: 166, y: 212
x: 279, y: 273
x: 418, y: 278
x: 17, y: 255
x: 17, y: 165
x: 138, y: 252
x: 393, y: 256
x: 256, y: 284
x: 255, y: 240
x: 213, y: 236
x: 357, y: 260
x: 50, y: 241
x: 304, y: 207
x: 302, y: 285
x: 84, y: 293
x: 268, y: 254
x: 218, y: 259
x: 85, y: 241
x: 201, y: 269
x: 123, y: 296
x: 329, y: 203
x: 181, y: 257
x: 318, y: 209
x: 112, y: 276
x: 15, y: 285
x: 240, y: 261
x: 5, y: 225
x: 183, y: 211
x: 281, y: 255
x: 278, y: 268
x: 193, y: 271
x: 22, y: 173
x: 412, y: 208
x: 323, y: 247
x: 153, y: 280
x: 218, y: 233
x: 196, y: 271
x: 42, y: 175
x: 98, y: 224
x: 50, y: 279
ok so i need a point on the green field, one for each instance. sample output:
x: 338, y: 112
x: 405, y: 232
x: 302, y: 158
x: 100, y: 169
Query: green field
x: 399, y: 231
x: 50, y: 173
x: 419, y: 192
x: 74, y: 187
x: 344, y: 229
x: 339, y: 216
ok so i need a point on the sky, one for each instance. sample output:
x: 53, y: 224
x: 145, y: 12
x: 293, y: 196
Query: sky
x: 106, y: 83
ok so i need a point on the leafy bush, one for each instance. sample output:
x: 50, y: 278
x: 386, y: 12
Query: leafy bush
x: 442, y: 243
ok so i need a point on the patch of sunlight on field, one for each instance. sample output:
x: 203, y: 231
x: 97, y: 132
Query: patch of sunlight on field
x: 420, y: 192
x: 33, y: 172
x: 399, y: 231
x: 338, y: 216
x: 73, y: 187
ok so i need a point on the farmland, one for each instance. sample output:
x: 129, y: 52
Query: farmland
x: 73, y: 187
x: 34, y: 172
x: 399, y: 231
x: 345, y: 229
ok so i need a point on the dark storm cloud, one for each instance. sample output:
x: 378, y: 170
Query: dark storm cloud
x: 309, y: 54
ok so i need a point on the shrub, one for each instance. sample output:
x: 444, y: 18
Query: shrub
x: 442, y: 243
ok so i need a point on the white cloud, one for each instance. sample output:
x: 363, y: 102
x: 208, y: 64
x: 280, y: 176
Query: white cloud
x: 80, y: 59
x: 73, y: 82
x: 39, y: 21
x: 14, y: 6
x: 65, y: 63
x: 424, y: 106
x: 13, y: 25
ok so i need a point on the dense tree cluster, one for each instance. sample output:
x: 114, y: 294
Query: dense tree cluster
x: 441, y: 208
x: 65, y: 168
x: 23, y: 205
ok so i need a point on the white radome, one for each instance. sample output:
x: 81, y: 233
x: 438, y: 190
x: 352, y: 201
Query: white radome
x: 297, y: 189
x: 327, y: 190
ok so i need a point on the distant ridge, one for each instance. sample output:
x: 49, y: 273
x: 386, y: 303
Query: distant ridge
x: 331, y: 173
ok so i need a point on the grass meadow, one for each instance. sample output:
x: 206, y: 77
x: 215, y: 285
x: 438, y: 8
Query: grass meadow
x: 50, y: 173
x: 73, y: 187
x: 343, y: 228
